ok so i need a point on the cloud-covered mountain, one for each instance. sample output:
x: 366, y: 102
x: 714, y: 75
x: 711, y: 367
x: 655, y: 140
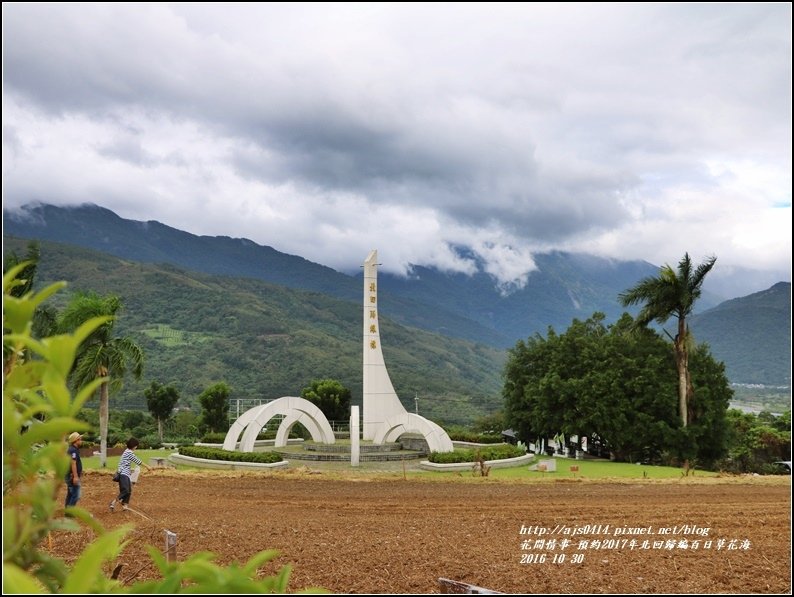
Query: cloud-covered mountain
x: 474, y: 307
x: 751, y: 334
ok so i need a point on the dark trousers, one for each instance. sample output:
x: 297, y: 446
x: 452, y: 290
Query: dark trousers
x: 125, y: 489
x: 72, y: 493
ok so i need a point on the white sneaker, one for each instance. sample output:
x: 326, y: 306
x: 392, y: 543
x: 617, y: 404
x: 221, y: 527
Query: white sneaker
x: 124, y: 507
x: 112, y: 505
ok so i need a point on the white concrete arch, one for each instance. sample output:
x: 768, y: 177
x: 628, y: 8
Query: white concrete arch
x: 313, y: 426
x: 294, y: 409
x: 437, y: 439
x: 230, y: 441
x: 282, y: 435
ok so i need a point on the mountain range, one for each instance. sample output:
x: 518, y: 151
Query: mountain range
x: 750, y: 334
x: 265, y: 341
x: 472, y: 307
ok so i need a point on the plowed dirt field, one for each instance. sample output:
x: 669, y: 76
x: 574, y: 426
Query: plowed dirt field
x: 395, y: 535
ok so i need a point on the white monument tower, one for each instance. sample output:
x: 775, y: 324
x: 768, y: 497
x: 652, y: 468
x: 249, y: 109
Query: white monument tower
x: 385, y: 418
x: 380, y: 399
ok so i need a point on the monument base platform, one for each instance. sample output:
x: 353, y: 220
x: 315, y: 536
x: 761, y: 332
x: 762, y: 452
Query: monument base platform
x: 340, y: 452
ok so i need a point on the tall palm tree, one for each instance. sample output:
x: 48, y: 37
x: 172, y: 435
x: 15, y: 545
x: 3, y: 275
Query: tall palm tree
x: 672, y: 293
x: 101, y: 355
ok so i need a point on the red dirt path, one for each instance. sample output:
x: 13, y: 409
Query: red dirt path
x: 391, y: 535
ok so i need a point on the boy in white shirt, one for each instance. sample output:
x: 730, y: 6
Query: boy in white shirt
x: 124, y: 473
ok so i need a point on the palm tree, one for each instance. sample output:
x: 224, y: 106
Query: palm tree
x: 672, y: 293
x: 101, y: 355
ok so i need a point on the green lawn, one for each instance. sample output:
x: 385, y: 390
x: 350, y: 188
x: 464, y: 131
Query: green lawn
x: 596, y: 469
x: 588, y: 469
x: 92, y: 462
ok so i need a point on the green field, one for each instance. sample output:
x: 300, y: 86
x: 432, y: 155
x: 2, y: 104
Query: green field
x: 596, y: 469
x: 168, y: 336
x: 587, y: 469
x: 91, y: 463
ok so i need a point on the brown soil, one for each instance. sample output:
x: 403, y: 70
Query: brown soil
x: 386, y: 534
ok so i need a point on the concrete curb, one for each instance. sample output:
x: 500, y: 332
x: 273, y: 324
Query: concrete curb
x: 466, y: 466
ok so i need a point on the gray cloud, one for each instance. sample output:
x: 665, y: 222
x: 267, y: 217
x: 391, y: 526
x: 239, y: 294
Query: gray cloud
x: 636, y: 131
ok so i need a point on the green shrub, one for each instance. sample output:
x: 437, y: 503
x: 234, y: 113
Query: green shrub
x: 500, y: 452
x: 451, y: 457
x: 475, y: 438
x: 458, y: 433
x: 228, y: 455
x: 150, y: 442
x: 178, y: 440
x: 769, y: 468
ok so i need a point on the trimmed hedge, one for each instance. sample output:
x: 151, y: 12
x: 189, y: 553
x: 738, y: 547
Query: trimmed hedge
x: 219, y: 438
x: 475, y: 438
x: 229, y: 456
x: 492, y: 453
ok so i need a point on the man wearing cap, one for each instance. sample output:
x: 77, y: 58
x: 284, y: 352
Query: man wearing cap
x: 75, y: 469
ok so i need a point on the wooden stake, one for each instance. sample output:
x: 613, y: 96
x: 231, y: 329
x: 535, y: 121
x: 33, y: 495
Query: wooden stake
x: 170, y: 546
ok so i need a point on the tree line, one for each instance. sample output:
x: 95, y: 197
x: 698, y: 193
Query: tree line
x: 616, y: 386
x: 622, y: 388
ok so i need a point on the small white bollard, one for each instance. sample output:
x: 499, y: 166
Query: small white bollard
x: 355, y: 447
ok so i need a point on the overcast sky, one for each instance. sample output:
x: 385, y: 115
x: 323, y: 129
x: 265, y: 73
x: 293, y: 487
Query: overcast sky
x: 631, y: 131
